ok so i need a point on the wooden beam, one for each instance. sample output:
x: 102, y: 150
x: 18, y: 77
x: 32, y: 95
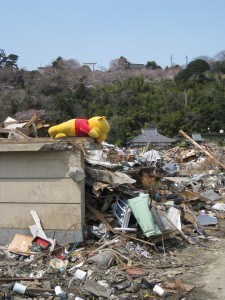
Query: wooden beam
x: 9, y: 279
x: 100, y: 217
x: 31, y: 121
x: 4, y: 130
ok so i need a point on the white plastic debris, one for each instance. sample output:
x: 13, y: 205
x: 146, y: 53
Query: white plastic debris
x: 219, y: 206
x: 79, y: 274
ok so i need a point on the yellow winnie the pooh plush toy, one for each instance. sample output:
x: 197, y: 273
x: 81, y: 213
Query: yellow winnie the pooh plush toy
x: 96, y: 127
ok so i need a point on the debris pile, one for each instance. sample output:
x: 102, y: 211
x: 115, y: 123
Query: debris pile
x: 142, y: 209
x: 15, y: 130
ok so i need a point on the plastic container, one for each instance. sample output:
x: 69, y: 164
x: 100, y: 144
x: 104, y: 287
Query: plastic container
x: 19, y: 288
x: 59, y: 292
x: 158, y: 290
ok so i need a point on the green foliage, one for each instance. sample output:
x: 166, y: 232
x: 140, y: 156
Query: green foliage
x: 72, y: 104
x: 123, y: 62
x: 8, y: 61
x: 198, y: 67
x: 219, y: 66
x: 152, y: 65
x: 117, y: 130
x: 56, y: 62
x: 51, y: 90
x: 195, y: 69
x: 194, y: 101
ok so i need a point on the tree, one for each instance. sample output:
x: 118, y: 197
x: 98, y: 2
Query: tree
x: 196, y: 68
x: 119, y: 64
x: 152, y: 65
x: 219, y: 66
x: 8, y: 61
x: 12, y: 60
x: 123, y: 62
x: 56, y: 62
x: 118, y: 130
x: 65, y: 64
x: 2, y: 58
x: 208, y: 59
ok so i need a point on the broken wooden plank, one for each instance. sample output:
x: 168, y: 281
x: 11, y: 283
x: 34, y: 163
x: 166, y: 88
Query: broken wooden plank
x: 9, y: 279
x: 21, y: 133
x: 31, y: 121
x: 203, y: 150
x: 4, y: 130
x: 100, y: 217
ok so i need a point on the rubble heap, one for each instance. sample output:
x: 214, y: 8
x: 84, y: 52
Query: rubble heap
x: 142, y: 209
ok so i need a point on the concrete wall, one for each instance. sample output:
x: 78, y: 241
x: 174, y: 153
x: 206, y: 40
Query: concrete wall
x: 32, y: 178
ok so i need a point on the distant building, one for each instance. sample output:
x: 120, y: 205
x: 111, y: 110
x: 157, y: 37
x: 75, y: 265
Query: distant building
x: 214, y: 137
x: 197, y: 137
x: 136, y: 66
x: 152, y: 137
x: 206, y: 137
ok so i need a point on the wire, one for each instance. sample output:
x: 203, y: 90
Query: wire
x: 77, y: 237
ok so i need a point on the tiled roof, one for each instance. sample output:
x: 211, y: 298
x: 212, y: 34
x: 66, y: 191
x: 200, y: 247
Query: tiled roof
x: 152, y: 135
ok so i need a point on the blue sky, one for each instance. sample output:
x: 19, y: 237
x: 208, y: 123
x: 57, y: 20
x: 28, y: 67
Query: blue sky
x: 102, y: 30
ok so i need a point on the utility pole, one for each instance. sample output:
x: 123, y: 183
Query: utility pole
x: 186, y: 57
x: 171, y: 60
x: 91, y: 64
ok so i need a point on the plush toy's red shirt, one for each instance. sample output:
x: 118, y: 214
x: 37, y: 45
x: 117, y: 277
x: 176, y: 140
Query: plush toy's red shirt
x: 81, y: 127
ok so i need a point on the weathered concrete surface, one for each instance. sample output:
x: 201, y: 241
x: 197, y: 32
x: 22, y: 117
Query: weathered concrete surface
x: 34, y: 175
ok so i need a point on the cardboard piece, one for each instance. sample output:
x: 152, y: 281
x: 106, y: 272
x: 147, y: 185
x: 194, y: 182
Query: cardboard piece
x: 21, y: 244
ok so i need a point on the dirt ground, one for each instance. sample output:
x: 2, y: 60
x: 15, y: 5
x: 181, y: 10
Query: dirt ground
x: 209, y: 273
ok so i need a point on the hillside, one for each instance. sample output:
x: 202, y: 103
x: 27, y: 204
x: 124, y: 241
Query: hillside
x: 171, y: 99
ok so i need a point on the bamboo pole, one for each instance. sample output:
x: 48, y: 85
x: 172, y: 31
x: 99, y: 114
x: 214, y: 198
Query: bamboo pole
x: 203, y: 150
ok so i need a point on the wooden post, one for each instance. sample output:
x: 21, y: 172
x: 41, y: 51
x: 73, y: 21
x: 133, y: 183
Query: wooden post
x: 203, y: 150
x: 147, y: 146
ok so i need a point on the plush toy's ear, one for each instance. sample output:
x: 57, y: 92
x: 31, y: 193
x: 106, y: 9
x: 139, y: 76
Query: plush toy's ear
x: 102, y: 117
